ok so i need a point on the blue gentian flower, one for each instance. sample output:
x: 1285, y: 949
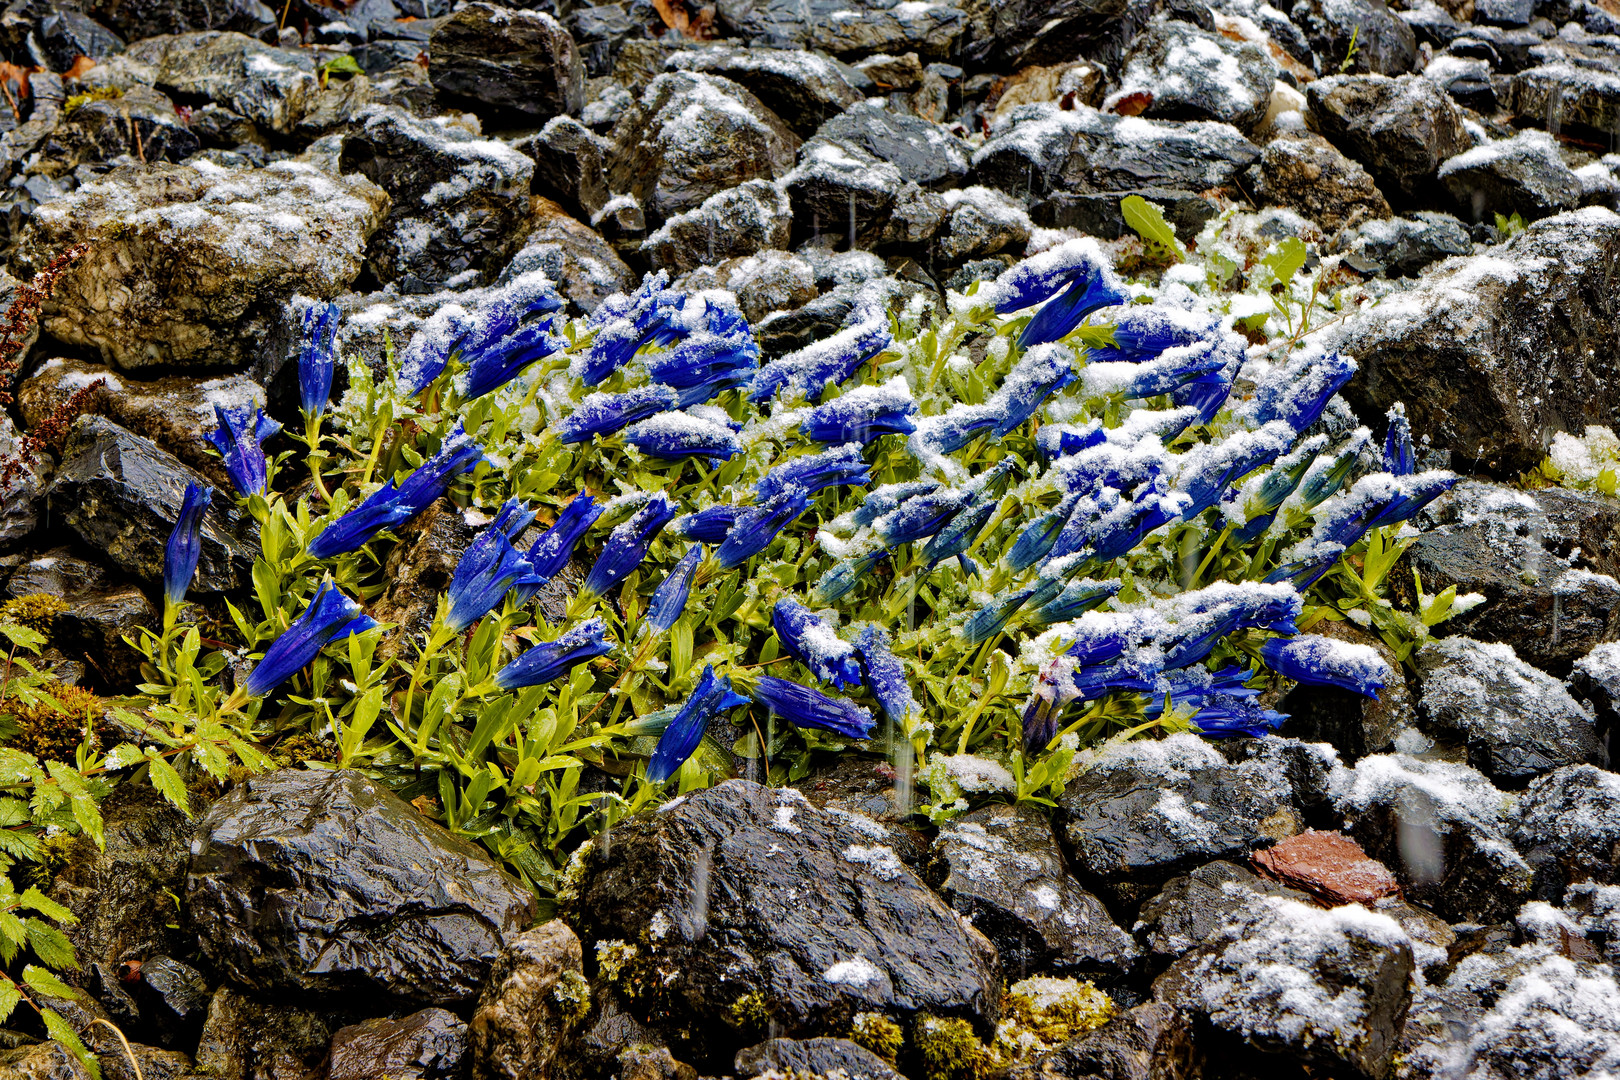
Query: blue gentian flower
x: 1141, y: 333
x: 676, y: 435
x: 394, y: 503
x: 804, y: 707
x: 490, y: 568
x: 492, y: 365
x: 623, y: 324
x: 1036, y: 376
x: 237, y: 439
x: 885, y: 499
x: 427, y: 354
x: 1077, y: 269
x: 1088, y: 291
x: 711, y: 525
x: 844, y: 575
x: 627, y: 545
x: 1061, y: 440
x: 958, y: 535
x: 1398, y: 443
x: 1053, y: 691
x: 1171, y: 371
x: 813, y: 642
x: 1101, y: 638
x: 1325, y: 479
x: 710, y: 697
x: 863, y: 414
x: 603, y: 414
x: 885, y: 674
x: 834, y: 467
x: 1077, y: 598
x: 1378, y: 500
x: 1118, y: 533
x: 921, y: 515
x: 1297, y: 391
x: 813, y: 368
x: 949, y: 431
x: 758, y: 525
x: 1037, y: 539
x: 1323, y: 661
x: 552, y: 660
x: 549, y: 554
x: 717, y: 356
x: 1209, y: 469
x: 1212, y: 613
x: 669, y: 599
x: 328, y: 612
x: 184, y: 548
x: 1307, y: 570
x: 993, y: 617
x: 315, y: 357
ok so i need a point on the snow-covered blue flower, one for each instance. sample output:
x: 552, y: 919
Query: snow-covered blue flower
x: 669, y: 599
x: 757, y: 526
x: 491, y: 365
x: 834, y: 467
x: 984, y: 494
x: 711, y: 525
x: 863, y: 414
x: 844, y: 575
x: 1036, y: 376
x: 1298, y: 390
x: 316, y: 357
x: 490, y: 568
x: 623, y: 324
x: 1038, y: 537
x: 804, y: 707
x: 813, y: 642
x: 241, y: 430
x: 676, y: 435
x: 1324, y: 661
x: 184, y: 548
x: 1398, y: 442
x: 549, y: 554
x: 627, y: 545
x: 711, y: 696
x: 1077, y: 598
x: 1141, y: 333
x: 543, y: 663
x: 328, y: 612
x: 603, y: 414
x: 718, y: 354
x: 1061, y: 440
x: 813, y: 368
x: 885, y: 674
x: 1075, y: 280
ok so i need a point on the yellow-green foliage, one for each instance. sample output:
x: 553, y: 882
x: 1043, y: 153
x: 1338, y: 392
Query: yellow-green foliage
x: 37, y: 611
x: 751, y: 1012
x: 53, y: 731
x: 612, y: 957
x: 573, y: 992
x: 302, y: 746
x: 949, y: 1049
x: 98, y: 93
x: 1041, y: 1012
x: 878, y: 1034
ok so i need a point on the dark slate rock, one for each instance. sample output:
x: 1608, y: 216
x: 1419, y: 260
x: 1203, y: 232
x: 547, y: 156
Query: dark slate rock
x: 841, y: 190
x: 1491, y: 352
x: 426, y: 1045
x: 1516, y: 722
x: 1148, y: 1042
x: 846, y: 28
x: 1147, y: 811
x: 101, y: 613
x: 1567, y: 97
x: 272, y: 87
x: 1524, y: 175
x: 1384, y: 45
x: 1468, y: 81
x: 1192, y: 74
x: 1540, y: 559
x: 64, y: 34
x: 173, y: 999
x: 924, y: 152
x: 140, y: 122
x: 1403, y: 246
x: 134, y: 20
x: 583, y: 266
x: 1569, y: 829
x: 823, y: 1057
x: 1191, y: 907
x: 1442, y: 829
x: 685, y: 139
x: 1324, y: 988
x: 535, y: 993
x: 456, y: 199
x: 1002, y: 868
x: 121, y: 494
x: 1595, y: 681
x: 1306, y: 173
x: 1504, y: 12
x: 1355, y: 725
x: 325, y: 882
x: 744, y: 893
x: 600, y: 32
x: 155, y: 1064
x: 570, y: 165
x: 1005, y: 35
x: 1400, y: 129
x: 1432, y: 24
x: 804, y: 89
x: 246, y: 1036
x: 505, y: 61
x: 740, y: 221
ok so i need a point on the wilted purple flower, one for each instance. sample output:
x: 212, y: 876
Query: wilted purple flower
x: 806, y: 708
x: 885, y: 674
x: 677, y: 435
x: 490, y: 568
x: 669, y: 599
x: 1324, y: 661
x: 758, y: 525
x: 813, y: 642
x: 543, y: 663
x: 813, y: 368
x: 833, y: 467
x: 1053, y: 691
x: 627, y: 545
x: 328, y: 612
x: 863, y: 414
x: 184, y: 548
x: 394, y: 503
x: 1398, y: 442
x: 709, y: 697
x: 315, y: 357
x: 551, y: 552
x: 241, y: 430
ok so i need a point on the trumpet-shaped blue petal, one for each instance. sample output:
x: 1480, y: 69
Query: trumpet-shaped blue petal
x: 490, y: 568
x: 1298, y: 390
x: 494, y: 364
x: 710, y: 697
x: 833, y: 467
x: 184, y: 548
x: 603, y: 414
x: 1324, y: 661
x: 241, y: 430
x: 623, y: 324
x: 863, y: 414
x: 885, y: 674
x: 551, y: 552
x: 813, y: 642
x: 669, y: 599
x: 758, y: 525
x: 316, y: 357
x: 711, y: 525
x: 1142, y: 333
x: 1398, y: 443
x: 328, y: 612
x: 676, y: 435
x: 1061, y: 440
x: 813, y: 368
x: 844, y: 575
x: 1037, y: 539
x: 1077, y: 598
x: 1088, y: 291
x: 552, y: 660
x: 627, y: 545
x: 1036, y: 376
x: 806, y: 708
x: 958, y: 535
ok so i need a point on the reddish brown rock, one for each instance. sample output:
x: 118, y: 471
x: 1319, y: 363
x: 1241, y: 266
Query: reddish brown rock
x: 1330, y: 866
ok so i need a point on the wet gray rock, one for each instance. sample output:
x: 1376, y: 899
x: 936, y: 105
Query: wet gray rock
x: 101, y: 613
x: 844, y: 28
x: 1306, y: 173
x: 1001, y: 867
x: 195, y: 263
x: 1466, y: 80
x: 600, y: 32
x: 1569, y: 829
x: 813, y: 1057
x: 924, y: 152
x: 245, y: 1038
x: 1541, y: 560
x: 1578, y: 98
x: 728, y: 224
x: 154, y: 1063
x: 570, y: 165
x: 1191, y: 907
x: 173, y: 998
x: 22, y: 494
x: 1384, y: 45
x: 507, y: 61
x: 1516, y: 722
x: 121, y: 495
x: 140, y: 122
x: 692, y: 135
x: 1442, y: 828
x: 841, y: 190
x: 1326, y: 988
x: 41, y: 1061
x: 1524, y: 175
x: 272, y: 87
x: 582, y: 266
x: 804, y: 89
x: 1400, y: 129
x: 801, y: 912
x: 1145, y: 812
x: 1192, y: 74
x: 456, y: 199
x: 175, y: 412
x: 982, y: 222
x: 1147, y: 1042
x: 134, y: 20
x: 58, y: 34
x: 1355, y: 725
x: 1403, y: 246
x: 1490, y: 352
x: 426, y: 1045
x: 768, y: 282
x: 1595, y: 681
x: 1006, y: 35
x: 326, y: 882
x: 536, y: 992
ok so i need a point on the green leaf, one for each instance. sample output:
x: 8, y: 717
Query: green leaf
x: 40, y: 979
x: 50, y: 944
x: 169, y: 784
x: 342, y: 65
x: 1147, y: 220
x: 58, y: 1029
x: 34, y: 899
x: 22, y: 637
x: 10, y: 998
x: 1287, y: 260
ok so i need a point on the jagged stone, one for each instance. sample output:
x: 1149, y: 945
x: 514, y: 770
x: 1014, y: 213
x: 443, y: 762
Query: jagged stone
x: 503, y: 60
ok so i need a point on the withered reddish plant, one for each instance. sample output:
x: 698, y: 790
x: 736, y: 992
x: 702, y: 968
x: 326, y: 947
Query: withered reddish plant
x: 15, y: 326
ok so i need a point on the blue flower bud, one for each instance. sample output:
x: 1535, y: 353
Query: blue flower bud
x: 993, y: 617
x: 1324, y: 661
x: 1298, y: 390
x: 553, y: 659
x: 710, y: 697
x: 1077, y: 598
x: 1141, y: 333
x: 806, y: 708
x: 1036, y: 376
x: 885, y: 674
x: 1039, y: 537
x: 834, y: 467
x: 551, y: 552
x: 711, y: 525
x: 1061, y: 440
x: 813, y: 368
x: 490, y: 568
x: 184, y: 548
x: 623, y: 324
x: 1398, y: 442
x: 1076, y: 269
x: 813, y: 642
x: 315, y: 357
x: 758, y: 525
x: 984, y: 493
x: 627, y: 545
x: 677, y: 435
x: 328, y: 612
x: 844, y: 575
x: 863, y: 414
x: 669, y: 599
x: 492, y: 365
x: 603, y: 414
x: 237, y: 439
